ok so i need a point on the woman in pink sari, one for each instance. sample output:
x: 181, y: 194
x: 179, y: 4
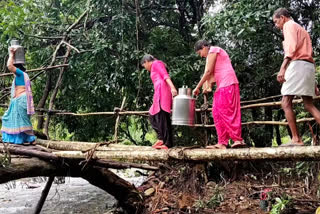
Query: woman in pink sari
x: 226, y: 101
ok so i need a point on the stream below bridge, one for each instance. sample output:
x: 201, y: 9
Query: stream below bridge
x: 73, y: 196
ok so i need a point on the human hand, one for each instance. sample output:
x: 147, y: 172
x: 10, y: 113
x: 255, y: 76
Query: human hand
x: 205, y: 91
x: 174, y: 92
x: 317, y: 91
x: 12, y: 50
x: 280, y: 76
x: 196, y: 92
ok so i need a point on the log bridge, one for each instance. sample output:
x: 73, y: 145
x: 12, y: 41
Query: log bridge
x: 92, y: 162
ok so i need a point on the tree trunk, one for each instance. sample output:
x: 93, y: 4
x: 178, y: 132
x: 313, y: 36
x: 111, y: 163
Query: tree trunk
x: 55, y: 91
x: 143, y: 153
x: 272, y: 154
x: 43, y: 100
x: 128, y: 196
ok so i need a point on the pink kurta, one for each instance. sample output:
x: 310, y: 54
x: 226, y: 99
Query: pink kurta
x: 226, y: 103
x: 297, y: 43
x: 223, y: 71
x: 162, y: 97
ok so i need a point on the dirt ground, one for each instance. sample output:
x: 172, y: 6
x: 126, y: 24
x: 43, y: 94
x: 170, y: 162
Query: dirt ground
x: 184, y: 189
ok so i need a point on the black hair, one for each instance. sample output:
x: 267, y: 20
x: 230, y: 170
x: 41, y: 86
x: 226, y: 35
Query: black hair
x: 201, y: 44
x: 281, y: 12
x: 21, y: 67
x: 147, y: 58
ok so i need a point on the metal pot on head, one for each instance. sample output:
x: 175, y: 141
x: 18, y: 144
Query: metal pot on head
x: 19, y: 57
x: 183, y: 110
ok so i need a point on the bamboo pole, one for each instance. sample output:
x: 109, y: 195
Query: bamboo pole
x: 261, y: 123
x: 142, y: 113
x: 145, y: 113
x: 37, y: 69
x: 206, y: 118
x: 44, y: 195
x: 115, y: 138
x: 261, y: 99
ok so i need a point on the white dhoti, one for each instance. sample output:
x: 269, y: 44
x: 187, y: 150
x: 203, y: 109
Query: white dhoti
x: 300, y: 79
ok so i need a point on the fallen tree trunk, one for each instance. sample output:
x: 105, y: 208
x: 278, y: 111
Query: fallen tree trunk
x: 273, y: 154
x: 45, y: 154
x: 79, y: 150
x: 86, y: 146
x: 20, y: 167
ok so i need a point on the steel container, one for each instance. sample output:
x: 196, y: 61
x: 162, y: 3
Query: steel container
x: 19, y: 57
x: 183, y: 110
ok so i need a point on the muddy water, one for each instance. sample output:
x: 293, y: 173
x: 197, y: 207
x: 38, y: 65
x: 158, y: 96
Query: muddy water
x: 75, y: 195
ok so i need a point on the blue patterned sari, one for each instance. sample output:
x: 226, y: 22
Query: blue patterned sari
x: 16, y: 125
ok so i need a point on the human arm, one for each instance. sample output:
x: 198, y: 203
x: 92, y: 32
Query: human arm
x: 316, y: 90
x: 207, y: 85
x: 290, y: 43
x: 160, y: 66
x: 280, y: 76
x: 10, y: 65
x: 173, y: 89
x: 209, y: 70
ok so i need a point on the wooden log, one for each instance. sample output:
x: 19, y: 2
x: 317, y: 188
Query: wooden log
x: 77, y: 150
x: 272, y: 154
x: 128, y: 196
x: 31, y: 151
x: 45, y: 154
x: 120, y: 165
x: 85, y: 146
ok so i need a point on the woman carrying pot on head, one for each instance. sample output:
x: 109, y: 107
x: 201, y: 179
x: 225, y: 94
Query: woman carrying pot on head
x: 164, y: 90
x: 16, y: 125
x: 226, y: 101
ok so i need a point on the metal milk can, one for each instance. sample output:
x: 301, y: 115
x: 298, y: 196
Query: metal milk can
x: 19, y: 57
x: 183, y: 110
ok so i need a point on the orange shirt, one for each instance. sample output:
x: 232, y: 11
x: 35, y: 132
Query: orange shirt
x: 297, y: 43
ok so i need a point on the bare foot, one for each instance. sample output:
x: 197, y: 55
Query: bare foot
x: 292, y: 143
x: 217, y: 146
x: 239, y: 144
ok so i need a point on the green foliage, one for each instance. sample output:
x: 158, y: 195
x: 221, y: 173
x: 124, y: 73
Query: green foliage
x: 5, y: 160
x: 137, y: 132
x: 216, y: 198
x: 59, y: 132
x: 214, y: 201
x: 300, y: 169
x: 200, y: 204
x: 282, y: 205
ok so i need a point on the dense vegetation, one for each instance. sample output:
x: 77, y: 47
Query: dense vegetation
x: 113, y: 35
